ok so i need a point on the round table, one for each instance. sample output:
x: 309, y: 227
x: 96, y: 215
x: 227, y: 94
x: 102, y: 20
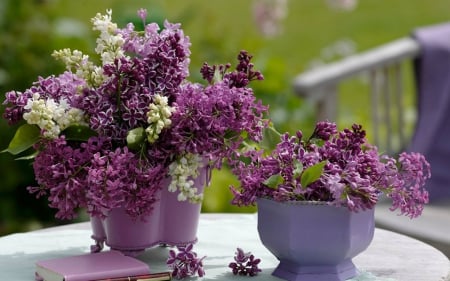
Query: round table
x: 390, y: 257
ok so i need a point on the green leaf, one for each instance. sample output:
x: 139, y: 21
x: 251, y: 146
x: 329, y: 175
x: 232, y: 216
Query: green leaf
x: 274, y: 180
x: 78, y: 133
x: 311, y: 174
x: 26, y: 135
x: 28, y: 157
x: 298, y: 170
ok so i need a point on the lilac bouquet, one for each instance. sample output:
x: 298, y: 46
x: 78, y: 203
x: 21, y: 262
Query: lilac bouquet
x: 107, y: 135
x: 340, y: 168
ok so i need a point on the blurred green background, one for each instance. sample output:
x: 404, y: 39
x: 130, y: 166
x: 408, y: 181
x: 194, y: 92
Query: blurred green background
x: 308, y: 34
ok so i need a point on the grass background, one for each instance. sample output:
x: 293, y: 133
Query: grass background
x: 31, y: 29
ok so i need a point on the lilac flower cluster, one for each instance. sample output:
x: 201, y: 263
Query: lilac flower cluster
x: 245, y: 264
x: 339, y: 167
x: 185, y: 262
x: 118, y: 178
x: 210, y: 119
x: 57, y: 88
x: 108, y: 135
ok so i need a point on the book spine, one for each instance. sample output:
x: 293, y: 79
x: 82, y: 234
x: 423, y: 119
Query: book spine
x: 161, y: 276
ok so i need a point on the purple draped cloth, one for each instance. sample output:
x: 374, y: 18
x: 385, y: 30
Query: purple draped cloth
x: 432, y: 133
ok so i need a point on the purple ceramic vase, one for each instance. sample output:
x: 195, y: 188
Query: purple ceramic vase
x: 171, y: 222
x: 312, y: 240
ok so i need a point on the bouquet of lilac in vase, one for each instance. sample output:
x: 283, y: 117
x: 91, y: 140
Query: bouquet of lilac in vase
x: 339, y: 168
x: 117, y: 134
x: 316, y: 197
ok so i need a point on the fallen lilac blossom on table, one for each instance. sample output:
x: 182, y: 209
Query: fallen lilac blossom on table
x: 185, y: 263
x: 245, y: 264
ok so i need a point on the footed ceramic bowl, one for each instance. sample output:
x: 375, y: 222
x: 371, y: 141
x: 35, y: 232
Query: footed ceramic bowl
x: 313, y: 241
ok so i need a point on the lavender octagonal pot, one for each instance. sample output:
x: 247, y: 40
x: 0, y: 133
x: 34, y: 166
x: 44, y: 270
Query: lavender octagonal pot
x: 312, y: 240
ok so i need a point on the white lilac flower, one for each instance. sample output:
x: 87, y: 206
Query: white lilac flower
x: 50, y: 116
x: 109, y: 47
x: 109, y: 42
x: 39, y: 114
x: 72, y: 116
x: 80, y: 65
x: 158, y: 117
x: 183, y: 171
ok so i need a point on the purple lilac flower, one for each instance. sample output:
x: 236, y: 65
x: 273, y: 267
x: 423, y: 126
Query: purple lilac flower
x: 209, y: 120
x: 119, y: 179
x: 245, y: 264
x: 121, y: 103
x: 409, y: 197
x: 185, y: 263
x: 239, y: 78
x: 251, y: 175
x: 324, y: 130
x: 64, y: 86
x: 354, y: 174
x: 166, y: 54
x: 59, y: 171
x: 116, y: 178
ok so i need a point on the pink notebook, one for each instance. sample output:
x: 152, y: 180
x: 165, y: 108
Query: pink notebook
x: 103, y: 265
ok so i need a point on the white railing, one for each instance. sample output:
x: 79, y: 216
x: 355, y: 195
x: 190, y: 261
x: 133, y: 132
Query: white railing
x: 384, y: 66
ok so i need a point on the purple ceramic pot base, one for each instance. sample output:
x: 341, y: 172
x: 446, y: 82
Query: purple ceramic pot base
x: 293, y: 272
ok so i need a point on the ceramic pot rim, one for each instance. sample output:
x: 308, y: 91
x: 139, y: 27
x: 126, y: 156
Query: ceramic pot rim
x: 303, y: 203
